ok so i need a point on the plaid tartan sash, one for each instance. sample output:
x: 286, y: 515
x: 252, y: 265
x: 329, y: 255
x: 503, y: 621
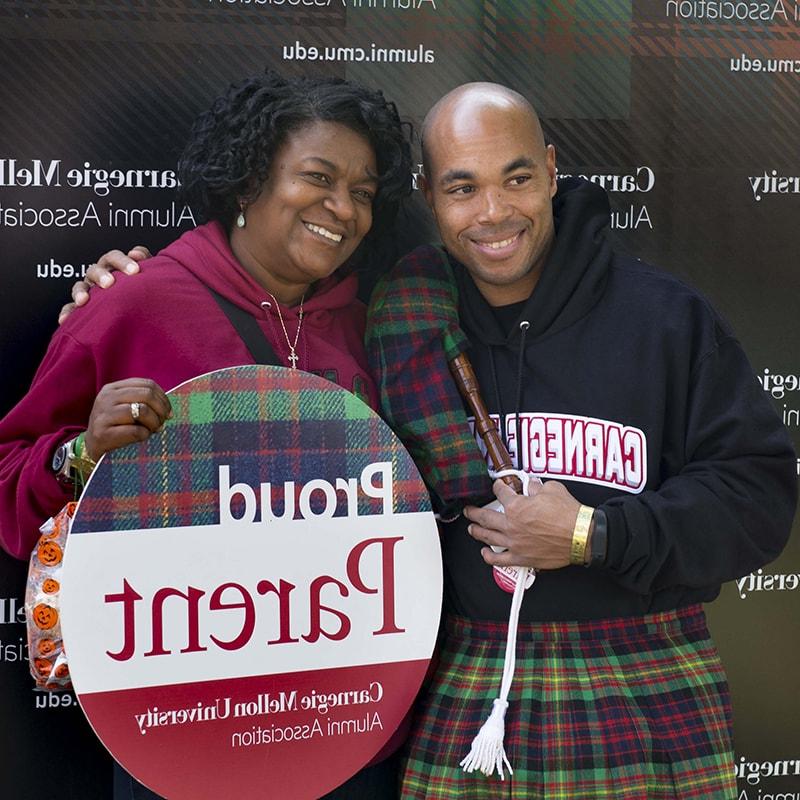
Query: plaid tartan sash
x: 412, y: 333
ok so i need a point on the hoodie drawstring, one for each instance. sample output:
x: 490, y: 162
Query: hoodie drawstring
x: 523, y: 328
x: 497, y: 400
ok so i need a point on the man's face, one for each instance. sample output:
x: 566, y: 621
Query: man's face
x: 490, y: 191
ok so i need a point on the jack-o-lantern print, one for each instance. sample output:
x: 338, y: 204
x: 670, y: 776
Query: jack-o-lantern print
x: 44, y: 616
x: 46, y: 647
x: 43, y: 666
x: 49, y: 553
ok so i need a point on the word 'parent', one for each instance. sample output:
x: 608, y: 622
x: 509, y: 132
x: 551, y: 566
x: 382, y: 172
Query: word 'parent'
x: 204, y: 605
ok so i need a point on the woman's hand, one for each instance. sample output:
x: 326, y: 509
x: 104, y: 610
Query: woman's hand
x: 124, y: 412
x: 102, y: 274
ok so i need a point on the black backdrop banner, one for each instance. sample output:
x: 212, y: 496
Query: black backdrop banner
x: 687, y: 111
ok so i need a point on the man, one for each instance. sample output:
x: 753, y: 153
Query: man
x: 625, y: 388
x: 666, y: 470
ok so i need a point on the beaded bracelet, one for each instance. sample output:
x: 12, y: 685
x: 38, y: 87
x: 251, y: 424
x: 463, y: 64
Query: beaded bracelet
x: 84, y: 464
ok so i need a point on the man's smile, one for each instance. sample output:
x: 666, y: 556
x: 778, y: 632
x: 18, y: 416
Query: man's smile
x: 498, y: 247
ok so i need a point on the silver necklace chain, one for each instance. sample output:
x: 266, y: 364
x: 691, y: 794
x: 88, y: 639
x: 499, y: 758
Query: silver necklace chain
x: 293, y: 358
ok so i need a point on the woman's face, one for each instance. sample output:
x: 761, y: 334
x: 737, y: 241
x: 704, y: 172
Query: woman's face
x: 312, y: 212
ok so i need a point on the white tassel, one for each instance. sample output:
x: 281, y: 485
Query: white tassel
x: 487, y: 753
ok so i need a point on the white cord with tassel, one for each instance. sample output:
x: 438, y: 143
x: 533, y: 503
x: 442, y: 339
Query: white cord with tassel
x: 488, y: 753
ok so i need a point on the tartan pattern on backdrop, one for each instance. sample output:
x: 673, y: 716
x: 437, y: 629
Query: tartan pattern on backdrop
x: 625, y: 708
x: 262, y: 421
x: 412, y: 332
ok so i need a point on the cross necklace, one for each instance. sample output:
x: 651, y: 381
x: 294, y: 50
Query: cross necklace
x: 293, y: 358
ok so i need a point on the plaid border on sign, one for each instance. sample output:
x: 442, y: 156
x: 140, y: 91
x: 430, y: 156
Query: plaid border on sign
x: 269, y: 425
x: 626, y: 708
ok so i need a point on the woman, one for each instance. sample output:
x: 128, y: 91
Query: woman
x: 294, y: 176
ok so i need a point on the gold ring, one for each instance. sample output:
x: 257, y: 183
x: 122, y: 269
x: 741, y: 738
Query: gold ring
x: 135, y: 411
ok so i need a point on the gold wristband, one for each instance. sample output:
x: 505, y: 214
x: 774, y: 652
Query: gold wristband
x: 580, y: 533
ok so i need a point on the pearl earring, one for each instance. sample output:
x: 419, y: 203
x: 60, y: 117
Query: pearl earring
x: 240, y: 220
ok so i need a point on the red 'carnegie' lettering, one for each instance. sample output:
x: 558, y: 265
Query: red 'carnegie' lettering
x: 570, y: 447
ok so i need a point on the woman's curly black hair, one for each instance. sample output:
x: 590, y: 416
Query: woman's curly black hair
x: 231, y: 147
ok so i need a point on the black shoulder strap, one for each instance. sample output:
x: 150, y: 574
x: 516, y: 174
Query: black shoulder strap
x: 248, y: 330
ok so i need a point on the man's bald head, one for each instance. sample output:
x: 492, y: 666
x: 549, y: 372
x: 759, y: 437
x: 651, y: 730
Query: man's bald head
x: 463, y: 104
x: 489, y: 181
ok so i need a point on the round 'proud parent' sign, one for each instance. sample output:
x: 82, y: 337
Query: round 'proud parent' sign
x: 251, y: 598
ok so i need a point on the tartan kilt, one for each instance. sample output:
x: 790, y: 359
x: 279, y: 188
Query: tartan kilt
x: 635, y: 708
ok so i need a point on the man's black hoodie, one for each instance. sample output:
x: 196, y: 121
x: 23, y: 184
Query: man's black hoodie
x: 628, y: 387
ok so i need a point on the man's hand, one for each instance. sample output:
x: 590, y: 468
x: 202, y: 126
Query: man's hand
x: 536, y: 530
x: 124, y: 412
x: 102, y: 274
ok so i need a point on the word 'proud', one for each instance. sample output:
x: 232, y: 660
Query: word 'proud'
x: 317, y: 499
